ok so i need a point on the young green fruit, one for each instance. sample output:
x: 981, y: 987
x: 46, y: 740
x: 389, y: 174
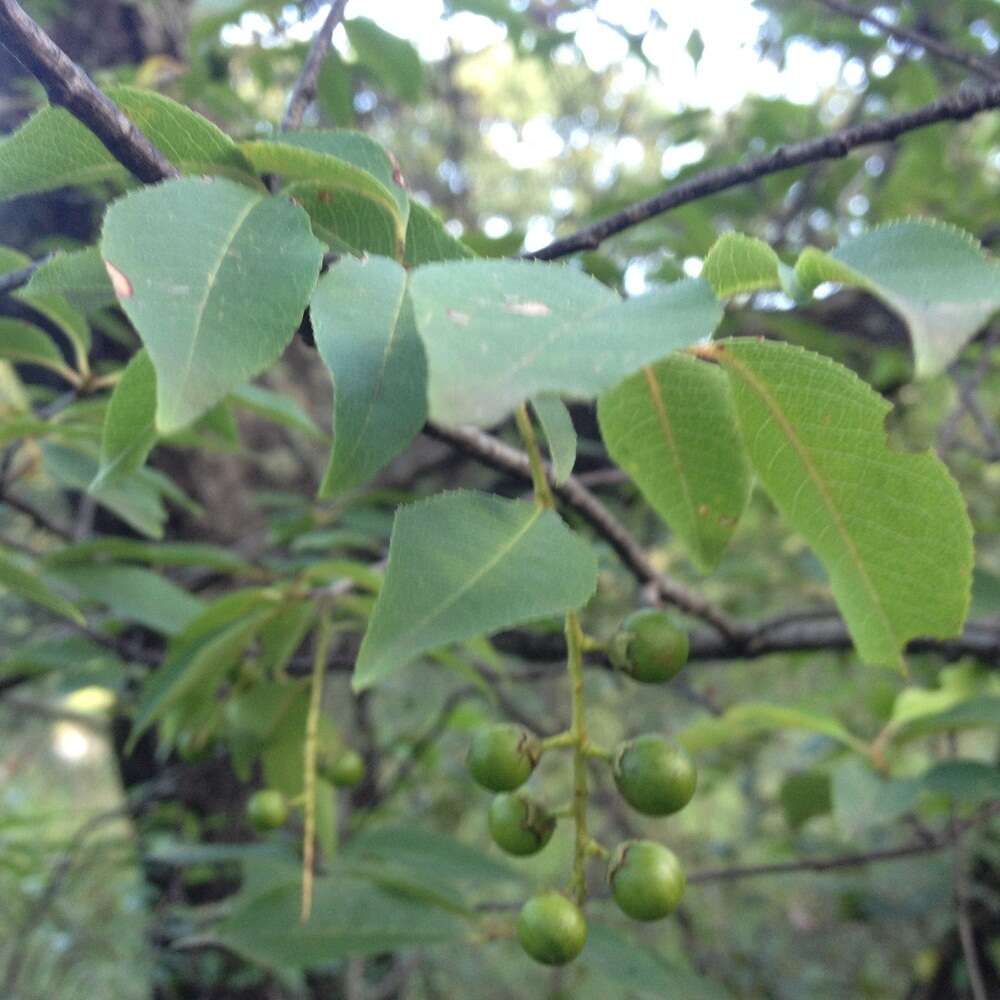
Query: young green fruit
x: 502, y: 757
x: 519, y: 824
x: 551, y: 929
x: 649, y: 647
x: 654, y: 776
x: 647, y: 881
x: 267, y: 810
x: 347, y: 770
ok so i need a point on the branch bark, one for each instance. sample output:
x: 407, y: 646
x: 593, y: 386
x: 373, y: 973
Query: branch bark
x: 304, y: 91
x: 956, y: 107
x: 67, y: 85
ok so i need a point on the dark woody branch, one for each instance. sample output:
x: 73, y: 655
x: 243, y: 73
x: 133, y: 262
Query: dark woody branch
x: 304, y: 91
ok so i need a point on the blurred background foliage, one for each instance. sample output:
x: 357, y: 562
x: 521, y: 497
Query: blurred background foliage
x: 520, y: 121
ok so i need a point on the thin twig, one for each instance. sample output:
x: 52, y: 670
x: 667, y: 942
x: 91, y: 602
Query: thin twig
x: 69, y: 86
x: 955, y: 107
x: 304, y: 91
x: 910, y: 37
x: 575, y: 495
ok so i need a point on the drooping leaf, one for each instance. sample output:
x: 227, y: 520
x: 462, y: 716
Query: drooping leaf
x: 738, y: 263
x: 164, y: 554
x: 23, y: 343
x: 560, y: 435
x: 889, y: 527
x: 200, y: 656
x: 277, y: 408
x: 215, y: 278
x: 672, y: 428
x: 500, y: 332
x: 363, y: 324
x: 79, y: 276
x: 129, y: 423
x: 393, y: 60
x: 464, y: 564
x: 27, y: 585
x: 937, y: 277
x: 135, y: 594
x: 53, y: 149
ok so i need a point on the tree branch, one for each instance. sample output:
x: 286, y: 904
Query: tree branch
x: 576, y: 496
x: 304, y: 91
x: 912, y: 38
x: 68, y: 85
x: 955, y: 107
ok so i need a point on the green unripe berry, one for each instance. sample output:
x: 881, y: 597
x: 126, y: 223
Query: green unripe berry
x: 647, y: 881
x: 654, y: 776
x: 551, y: 929
x: 347, y: 771
x: 267, y: 810
x: 519, y: 824
x: 649, y: 647
x: 502, y: 757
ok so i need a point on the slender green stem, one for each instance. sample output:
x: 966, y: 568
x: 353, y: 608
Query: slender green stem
x: 574, y: 667
x: 563, y: 739
x: 543, y: 492
x: 321, y: 650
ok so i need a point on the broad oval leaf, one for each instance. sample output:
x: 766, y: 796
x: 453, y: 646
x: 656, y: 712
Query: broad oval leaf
x: 890, y: 528
x: 738, y: 263
x: 937, y: 277
x: 464, y: 564
x: 215, y: 277
x: 672, y: 428
x: 427, y: 240
x: 363, y: 323
x: 500, y: 332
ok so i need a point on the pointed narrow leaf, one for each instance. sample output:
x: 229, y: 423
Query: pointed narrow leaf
x: 277, y: 408
x: 672, y: 428
x: 393, y: 60
x: 937, y: 277
x: 499, y: 332
x: 215, y: 278
x: 27, y: 585
x: 129, y: 429
x: 738, y: 263
x: 363, y: 323
x: 427, y: 240
x: 560, y: 435
x: 23, y: 343
x: 890, y: 527
x: 464, y: 564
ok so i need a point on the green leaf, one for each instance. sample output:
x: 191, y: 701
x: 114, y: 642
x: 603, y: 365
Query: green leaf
x: 805, y: 796
x: 969, y: 781
x: 350, y: 917
x: 23, y: 343
x: 464, y: 564
x: 935, y: 276
x: 27, y: 585
x: 427, y: 240
x: 296, y: 163
x: 890, y: 528
x: 753, y: 718
x: 863, y: 799
x: 276, y: 408
x: 79, y: 276
x: 738, y: 263
x: 165, y: 554
x: 975, y: 713
x: 500, y: 332
x: 393, y: 60
x: 129, y: 428
x: 200, y: 656
x: 61, y: 314
x: 363, y: 323
x: 215, y: 278
x: 52, y: 149
x: 135, y: 594
x: 672, y: 428
x: 560, y: 435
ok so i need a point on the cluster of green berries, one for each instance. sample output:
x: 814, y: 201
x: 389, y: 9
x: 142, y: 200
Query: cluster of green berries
x: 653, y: 775
x: 268, y: 808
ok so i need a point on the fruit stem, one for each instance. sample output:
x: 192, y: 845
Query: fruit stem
x: 321, y: 650
x: 543, y: 492
x: 595, y: 750
x: 574, y: 666
x: 567, y: 738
